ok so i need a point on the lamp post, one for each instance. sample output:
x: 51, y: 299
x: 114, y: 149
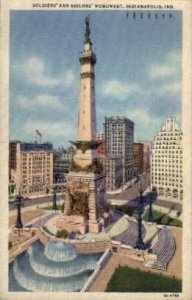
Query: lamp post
x: 141, y: 197
x: 54, y: 206
x: 18, y: 204
x: 139, y: 243
x: 150, y: 214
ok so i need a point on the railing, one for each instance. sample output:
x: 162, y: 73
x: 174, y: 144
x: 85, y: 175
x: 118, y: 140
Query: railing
x: 104, y: 258
x: 90, y: 280
x: 164, y: 249
x: 22, y: 248
x: 100, y: 264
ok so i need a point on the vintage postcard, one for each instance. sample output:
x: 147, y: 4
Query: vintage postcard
x: 95, y: 143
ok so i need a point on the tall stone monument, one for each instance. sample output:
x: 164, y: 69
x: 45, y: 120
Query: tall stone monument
x: 85, y: 200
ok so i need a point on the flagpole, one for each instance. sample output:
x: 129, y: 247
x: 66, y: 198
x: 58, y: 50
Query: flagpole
x: 39, y: 135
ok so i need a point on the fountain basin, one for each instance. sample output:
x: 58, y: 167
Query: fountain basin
x: 54, y: 267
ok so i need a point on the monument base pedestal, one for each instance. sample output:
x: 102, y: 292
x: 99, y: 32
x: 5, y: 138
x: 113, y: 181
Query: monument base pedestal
x: 85, y: 195
x: 73, y: 223
x: 94, y: 227
x: 78, y: 223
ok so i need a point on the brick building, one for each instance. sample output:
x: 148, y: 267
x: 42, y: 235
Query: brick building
x: 147, y: 145
x: 138, y: 155
x: 113, y: 169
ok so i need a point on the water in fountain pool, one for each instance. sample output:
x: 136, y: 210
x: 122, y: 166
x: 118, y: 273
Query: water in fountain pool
x: 55, y: 267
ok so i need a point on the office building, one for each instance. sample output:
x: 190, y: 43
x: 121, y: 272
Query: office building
x: 60, y: 168
x: 119, y: 136
x: 31, y: 168
x: 167, y: 162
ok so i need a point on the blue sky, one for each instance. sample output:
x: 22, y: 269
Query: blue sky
x: 138, y: 71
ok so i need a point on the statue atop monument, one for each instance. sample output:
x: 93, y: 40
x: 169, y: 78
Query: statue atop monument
x: 87, y: 30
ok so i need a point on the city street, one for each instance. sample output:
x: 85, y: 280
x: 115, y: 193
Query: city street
x: 35, y: 201
x: 130, y: 195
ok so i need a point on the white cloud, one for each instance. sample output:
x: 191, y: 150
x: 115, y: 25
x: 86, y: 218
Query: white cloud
x: 34, y: 70
x: 119, y: 89
x: 174, y: 57
x: 157, y: 71
x: 167, y: 90
x: 167, y: 69
x: 33, y: 64
x: 144, y: 123
x: 40, y: 101
x: 171, y: 88
x: 141, y: 116
x: 69, y: 78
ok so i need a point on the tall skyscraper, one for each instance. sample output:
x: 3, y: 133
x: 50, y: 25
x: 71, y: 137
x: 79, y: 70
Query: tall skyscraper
x: 31, y: 167
x: 119, y: 137
x: 167, y: 161
x: 86, y: 192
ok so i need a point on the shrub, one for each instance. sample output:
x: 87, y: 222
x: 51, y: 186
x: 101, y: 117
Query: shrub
x: 62, y: 207
x: 49, y: 207
x: 126, y: 209
x: 96, y: 167
x: 176, y: 223
x: 164, y: 219
x: 58, y: 233
x: 10, y: 244
x: 62, y: 234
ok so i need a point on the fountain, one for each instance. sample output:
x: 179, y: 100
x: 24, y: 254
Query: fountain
x: 59, y: 251
x: 54, y: 267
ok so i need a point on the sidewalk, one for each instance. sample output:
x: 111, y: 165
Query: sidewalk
x: 28, y: 208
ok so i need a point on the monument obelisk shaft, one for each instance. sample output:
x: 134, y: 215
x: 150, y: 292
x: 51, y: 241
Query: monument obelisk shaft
x: 87, y: 114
